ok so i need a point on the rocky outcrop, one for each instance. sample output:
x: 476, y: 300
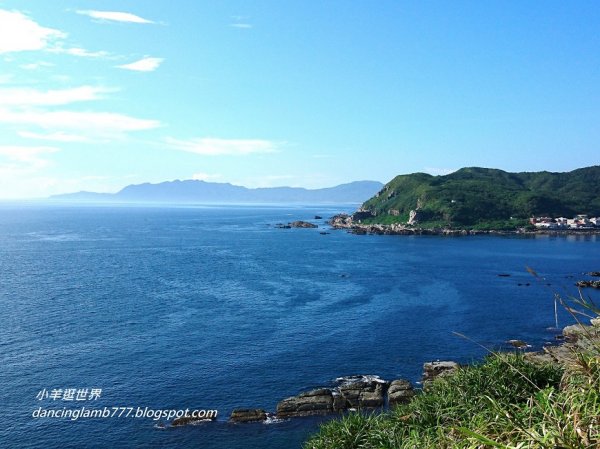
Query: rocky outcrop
x: 302, y: 224
x: 593, y: 284
x: 577, y: 338
x: 242, y: 415
x: 352, y: 392
x: 364, y: 393
x: 296, y: 224
x: 314, y: 402
x: 519, y: 344
x: 413, y: 217
x: 185, y: 420
x: 400, y: 391
x: 432, y: 370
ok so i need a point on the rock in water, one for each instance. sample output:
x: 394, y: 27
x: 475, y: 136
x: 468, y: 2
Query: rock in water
x: 315, y: 402
x: 248, y: 415
x: 431, y: 370
x: 185, y: 420
x: 364, y: 393
x: 302, y: 224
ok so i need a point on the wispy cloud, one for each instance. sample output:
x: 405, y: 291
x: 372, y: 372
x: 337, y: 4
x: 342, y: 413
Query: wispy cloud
x: 20, y: 33
x: 206, y: 176
x: 143, y: 65
x: 241, y: 25
x: 32, y: 97
x: 240, y: 22
x: 58, y: 136
x: 24, y: 159
x: 114, y: 16
x: 221, y: 147
x: 94, y: 123
x: 6, y: 78
x: 81, y: 52
x: 36, y: 65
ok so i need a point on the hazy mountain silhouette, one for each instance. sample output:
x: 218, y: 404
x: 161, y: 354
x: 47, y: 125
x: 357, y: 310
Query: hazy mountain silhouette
x: 192, y: 191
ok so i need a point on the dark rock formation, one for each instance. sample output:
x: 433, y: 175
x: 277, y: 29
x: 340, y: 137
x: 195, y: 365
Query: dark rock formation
x: 593, y: 284
x: 240, y: 415
x: 318, y: 217
x: 519, y: 344
x: 364, y: 393
x: 302, y: 224
x: 399, y: 392
x: 315, y: 402
x: 185, y: 420
x: 431, y: 370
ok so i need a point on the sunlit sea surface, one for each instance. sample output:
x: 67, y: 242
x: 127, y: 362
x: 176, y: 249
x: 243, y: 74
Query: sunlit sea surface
x: 216, y: 308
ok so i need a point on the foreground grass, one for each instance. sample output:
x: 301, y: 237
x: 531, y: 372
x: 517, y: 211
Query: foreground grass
x: 504, y: 402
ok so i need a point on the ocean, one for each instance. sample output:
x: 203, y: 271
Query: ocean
x: 215, y: 308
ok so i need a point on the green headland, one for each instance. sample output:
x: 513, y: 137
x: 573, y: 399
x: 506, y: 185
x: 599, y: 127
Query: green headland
x: 483, y: 198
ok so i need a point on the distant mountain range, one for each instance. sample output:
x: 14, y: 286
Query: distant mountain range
x: 192, y: 191
x: 474, y: 196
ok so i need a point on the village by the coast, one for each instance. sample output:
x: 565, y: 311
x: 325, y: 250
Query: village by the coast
x: 579, y: 222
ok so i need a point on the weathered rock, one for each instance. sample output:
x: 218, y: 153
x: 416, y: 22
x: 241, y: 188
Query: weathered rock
x: 364, y: 393
x: 574, y: 332
x: 431, y: 370
x: 400, y: 391
x: 186, y: 420
x: 413, y: 217
x: 583, y: 284
x: 302, y: 224
x: 318, y: 217
x: 519, y: 344
x: 247, y: 415
x: 339, y: 402
x: 315, y: 402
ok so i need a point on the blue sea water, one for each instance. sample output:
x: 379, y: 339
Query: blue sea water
x: 216, y: 308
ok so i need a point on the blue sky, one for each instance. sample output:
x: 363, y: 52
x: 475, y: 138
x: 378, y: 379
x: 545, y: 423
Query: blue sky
x: 95, y: 95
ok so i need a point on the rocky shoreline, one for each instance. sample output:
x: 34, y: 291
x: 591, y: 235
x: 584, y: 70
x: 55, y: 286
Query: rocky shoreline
x: 369, y: 392
x: 348, y: 223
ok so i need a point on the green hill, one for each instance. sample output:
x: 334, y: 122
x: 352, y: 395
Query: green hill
x: 482, y: 197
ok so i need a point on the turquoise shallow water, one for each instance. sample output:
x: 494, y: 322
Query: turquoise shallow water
x: 215, y: 308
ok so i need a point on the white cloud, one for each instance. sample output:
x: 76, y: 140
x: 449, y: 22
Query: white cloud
x: 24, y: 159
x: 81, y: 52
x: 6, y: 78
x: 102, y: 123
x: 241, y: 25
x: 20, y: 33
x: 58, y: 136
x: 36, y: 65
x: 114, y: 16
x: 206, y: 176
x: 30, y: 97
x: 219, y: 147
x: 143, y: 65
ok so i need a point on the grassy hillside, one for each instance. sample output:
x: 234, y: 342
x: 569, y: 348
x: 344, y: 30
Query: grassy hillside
x: 482, y: 197
x: 506, y: 402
